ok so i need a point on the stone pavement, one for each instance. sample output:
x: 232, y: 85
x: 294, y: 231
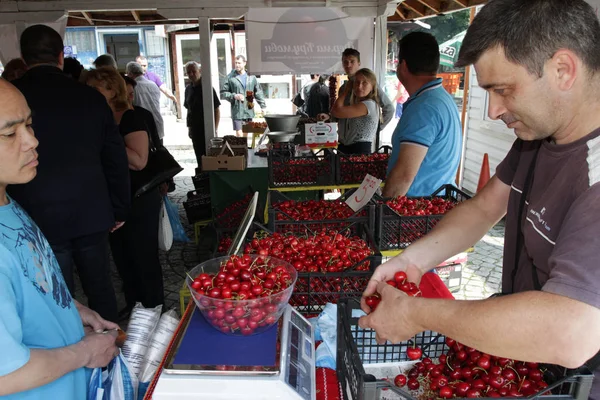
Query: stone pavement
x: 481, y: 276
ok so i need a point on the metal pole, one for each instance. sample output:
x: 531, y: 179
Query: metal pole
x: 207, y: 88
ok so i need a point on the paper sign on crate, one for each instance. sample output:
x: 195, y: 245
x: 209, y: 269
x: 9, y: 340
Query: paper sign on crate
x: 321, y: 134
x: 364, y: 193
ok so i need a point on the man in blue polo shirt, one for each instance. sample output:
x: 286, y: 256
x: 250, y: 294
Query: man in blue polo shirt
x: 427, y: 142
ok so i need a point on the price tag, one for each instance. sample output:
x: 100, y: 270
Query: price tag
x: 364, y: 193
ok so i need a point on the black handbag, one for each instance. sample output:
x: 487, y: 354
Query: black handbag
x: 161, y: 167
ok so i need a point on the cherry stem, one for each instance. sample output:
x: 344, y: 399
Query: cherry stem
x: 518, y: 376
x: 479, y: 368
x: 448, y: 363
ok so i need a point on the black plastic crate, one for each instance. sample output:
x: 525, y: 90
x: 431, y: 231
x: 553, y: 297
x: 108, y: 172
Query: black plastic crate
x: 229, y: 216
x: 280, y: 221
x: 315, y: 289
x: 394, y: 231
x: 201, y: 182
x: 197, y: 206
x: 357, y: 347
x: 224, y: 237
x: 317, y: 169
x: 352, y: 168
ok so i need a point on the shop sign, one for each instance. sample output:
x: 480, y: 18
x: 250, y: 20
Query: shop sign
x: 305, y: 40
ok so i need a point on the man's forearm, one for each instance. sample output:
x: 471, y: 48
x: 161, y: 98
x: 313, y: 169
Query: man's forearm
x: 166, y: 91
x: 529, y: 326
x: 396, y: 186
x: 43, y: 367
x: 217, y: 117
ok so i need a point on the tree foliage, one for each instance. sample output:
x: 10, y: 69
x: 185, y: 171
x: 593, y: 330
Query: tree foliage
x: 445, y: 27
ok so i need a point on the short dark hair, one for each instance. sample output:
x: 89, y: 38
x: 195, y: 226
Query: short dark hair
x: 421, y: 52
x: 72, y: 67
x: 532, y: 31
x: 240, y: 57
x: 105, y: 60
x: 129, y: 81
x: 14, y: 69
x: 41, y: 44
x: 351, y: 53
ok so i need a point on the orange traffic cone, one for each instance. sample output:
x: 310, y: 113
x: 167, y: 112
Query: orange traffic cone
x: 484, y: 175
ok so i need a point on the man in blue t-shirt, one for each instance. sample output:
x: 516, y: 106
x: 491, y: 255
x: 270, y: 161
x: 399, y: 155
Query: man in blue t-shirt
x: 427, y: 142
x: 46, y: 338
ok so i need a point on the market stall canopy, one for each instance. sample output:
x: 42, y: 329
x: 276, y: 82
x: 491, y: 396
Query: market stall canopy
x: 153, y: 12
x: 449, y: 50
x: 409, y: 10
x: 131, y: 12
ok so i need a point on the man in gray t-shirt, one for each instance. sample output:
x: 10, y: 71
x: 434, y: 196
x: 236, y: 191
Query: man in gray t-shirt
x: 146, y: 95
x: 541, y: 74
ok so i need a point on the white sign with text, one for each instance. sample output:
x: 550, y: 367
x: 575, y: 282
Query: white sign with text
x: 364, y: 193
x: 305, y: 40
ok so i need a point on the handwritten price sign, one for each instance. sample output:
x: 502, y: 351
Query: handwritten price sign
x: 364, y: 193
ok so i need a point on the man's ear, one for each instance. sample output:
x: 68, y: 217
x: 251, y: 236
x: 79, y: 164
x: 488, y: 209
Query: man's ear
x: 564, y: 67
x: 61, y: 60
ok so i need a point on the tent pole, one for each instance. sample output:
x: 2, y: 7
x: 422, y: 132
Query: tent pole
x: 463, y: 118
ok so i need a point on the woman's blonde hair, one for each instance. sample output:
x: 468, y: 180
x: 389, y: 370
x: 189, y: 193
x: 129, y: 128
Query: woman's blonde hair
x: 374, y: 95
x: 111, y: 80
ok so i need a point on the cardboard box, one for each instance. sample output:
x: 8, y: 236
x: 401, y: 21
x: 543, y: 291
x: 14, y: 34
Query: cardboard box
x: 237, y: 150
x: 253, y: 129
x: 226, y: 161
x: 223, y: 163
x: 321, y: 134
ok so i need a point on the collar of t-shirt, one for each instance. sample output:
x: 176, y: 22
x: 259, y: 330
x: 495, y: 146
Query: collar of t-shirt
x: 434, y: 84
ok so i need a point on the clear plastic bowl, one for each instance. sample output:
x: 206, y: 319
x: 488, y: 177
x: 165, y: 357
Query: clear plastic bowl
x: 242, y: 317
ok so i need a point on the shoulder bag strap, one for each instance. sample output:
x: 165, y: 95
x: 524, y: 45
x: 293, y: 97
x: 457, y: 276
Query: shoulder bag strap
x: 520, y: 219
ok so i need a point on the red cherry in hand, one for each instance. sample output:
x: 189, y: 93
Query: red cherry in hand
x: 414, y: 353
x: 400, y: 277
x: 400, y: 380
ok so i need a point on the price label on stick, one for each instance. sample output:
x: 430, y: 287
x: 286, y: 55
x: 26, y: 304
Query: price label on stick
x: 364, y: 193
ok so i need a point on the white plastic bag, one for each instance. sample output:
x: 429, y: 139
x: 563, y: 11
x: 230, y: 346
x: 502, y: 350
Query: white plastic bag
x: 117, y: 382
x: 142, y: 323
x: 158, y: 344
x: 165, y: 231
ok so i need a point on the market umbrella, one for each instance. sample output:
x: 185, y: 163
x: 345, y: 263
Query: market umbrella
x: 449, y: 50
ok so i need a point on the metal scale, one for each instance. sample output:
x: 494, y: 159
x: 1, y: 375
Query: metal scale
x: 208, y: 364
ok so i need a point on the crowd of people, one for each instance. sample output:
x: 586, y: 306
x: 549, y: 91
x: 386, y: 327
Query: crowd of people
x: 84, y: 191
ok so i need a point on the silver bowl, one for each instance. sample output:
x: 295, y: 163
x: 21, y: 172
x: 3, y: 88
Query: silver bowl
x: 282, y: 137
x: 282, y: 122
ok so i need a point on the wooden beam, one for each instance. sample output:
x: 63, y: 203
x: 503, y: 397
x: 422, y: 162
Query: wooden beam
x: 135, y: 16
x: 414, y: 6
x: 462, y: 3
x: 87, y: 18
x: 400, y: 13
x: 445, y: 5
x: 433, y: 5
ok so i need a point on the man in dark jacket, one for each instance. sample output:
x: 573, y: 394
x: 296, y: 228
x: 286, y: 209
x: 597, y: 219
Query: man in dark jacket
x: 235, y: 90
x: 81, y: 191
x: 195, y: 110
